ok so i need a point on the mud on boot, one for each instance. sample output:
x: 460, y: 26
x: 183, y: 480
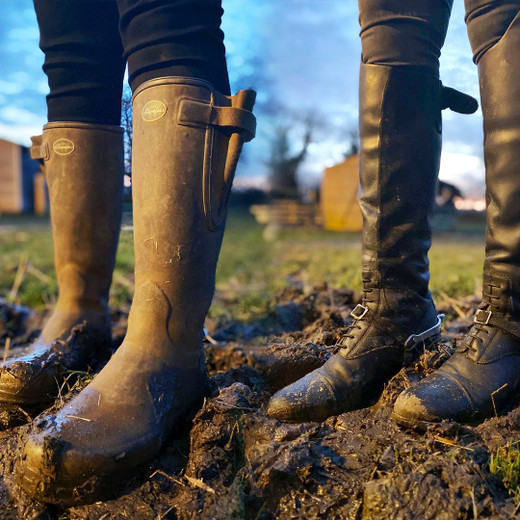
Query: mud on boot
x: 124, y: 416
x: 33, y: 380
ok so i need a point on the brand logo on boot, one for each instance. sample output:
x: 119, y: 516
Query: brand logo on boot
x: 153, y: 110
x: 63, y: 146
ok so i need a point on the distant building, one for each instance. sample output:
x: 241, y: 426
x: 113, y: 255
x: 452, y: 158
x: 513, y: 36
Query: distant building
x: 338, y: 196
x: 340, y: 208
x: 22, y: 187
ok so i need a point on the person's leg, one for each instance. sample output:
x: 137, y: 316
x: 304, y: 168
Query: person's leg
x: 84, y: 60
x: 187, y: 138
x: 406, y: 34
x: 81, y: 153
x: 179, y: 38
x: 401, y: 99
x: 482, y: 376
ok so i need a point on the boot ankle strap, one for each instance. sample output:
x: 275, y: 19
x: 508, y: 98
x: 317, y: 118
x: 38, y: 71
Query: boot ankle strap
x: 487, y: 317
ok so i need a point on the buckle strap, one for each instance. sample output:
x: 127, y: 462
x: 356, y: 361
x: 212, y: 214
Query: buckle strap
x: 359, y: 311
x: 482, y: 317
x: 413, y: 340
x: 487, y: 317
x: 197, y: 112
x: 39, y: 149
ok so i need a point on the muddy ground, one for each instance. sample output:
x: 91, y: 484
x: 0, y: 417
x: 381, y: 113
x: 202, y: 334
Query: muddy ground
x: 234, y: 462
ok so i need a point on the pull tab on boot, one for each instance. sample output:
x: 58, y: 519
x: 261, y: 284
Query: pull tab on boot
x: 229, y: 128
x: 457, y: 101
x: 243, y: 100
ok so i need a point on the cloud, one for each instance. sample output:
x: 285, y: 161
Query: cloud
x: 16, y: 115
x: 464, y: 170
x: 20, y: 134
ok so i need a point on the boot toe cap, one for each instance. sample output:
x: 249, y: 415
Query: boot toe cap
x: 65, y: 461
x: 410, y: 411
x: 37, y: 472
x: 432, y: 400
x: 52, y: 472
x: 308, y: 399
x: 23, y: 384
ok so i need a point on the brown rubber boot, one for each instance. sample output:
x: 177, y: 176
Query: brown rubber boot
x: 83, y: 165
x: 187, y: 139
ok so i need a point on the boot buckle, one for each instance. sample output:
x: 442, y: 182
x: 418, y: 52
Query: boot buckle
x: 359, y: 312
x: 482, y: 317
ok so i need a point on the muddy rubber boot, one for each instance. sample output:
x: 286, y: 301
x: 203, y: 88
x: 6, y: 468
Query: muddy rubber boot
x: 483, y: 375
x: 400, y: 128
x: 187, y: 139
x: 83, y: 166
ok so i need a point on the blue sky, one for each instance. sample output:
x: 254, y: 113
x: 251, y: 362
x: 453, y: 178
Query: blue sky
x: 303, y: 58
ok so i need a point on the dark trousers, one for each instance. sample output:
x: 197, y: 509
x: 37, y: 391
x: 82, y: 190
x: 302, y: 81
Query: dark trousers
x: 411, y: 33
x: 87, y: 43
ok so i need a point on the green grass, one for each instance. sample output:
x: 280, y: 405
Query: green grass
x: 250, y: 268
x: 505, y: 464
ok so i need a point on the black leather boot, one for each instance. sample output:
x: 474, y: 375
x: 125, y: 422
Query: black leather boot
x: 187, y: 139
x: 400, y: 127
x: 483, y: 376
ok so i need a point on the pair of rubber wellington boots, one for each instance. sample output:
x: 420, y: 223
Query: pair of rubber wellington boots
x: 400, y: 128
x: 187, y: 139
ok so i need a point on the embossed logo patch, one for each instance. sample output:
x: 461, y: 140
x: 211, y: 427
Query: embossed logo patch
x: 153, y: 110
x: 63, y: 146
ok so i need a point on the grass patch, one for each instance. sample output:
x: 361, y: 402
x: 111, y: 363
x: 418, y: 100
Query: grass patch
x: 505, y: 464
x: 249, y: 269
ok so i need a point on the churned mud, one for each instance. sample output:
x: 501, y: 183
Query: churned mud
x: 232, y: 461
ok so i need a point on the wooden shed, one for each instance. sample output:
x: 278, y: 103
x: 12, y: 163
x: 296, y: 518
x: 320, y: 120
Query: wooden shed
x: 339, y: 189
x: 21, y: 182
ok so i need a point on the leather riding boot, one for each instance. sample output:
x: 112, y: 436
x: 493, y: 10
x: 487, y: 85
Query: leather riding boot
x: 187, y: 139
x: 83, y: 166
x: 400, y: 128
x: 483, y: 375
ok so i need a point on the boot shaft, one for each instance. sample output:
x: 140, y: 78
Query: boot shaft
x: 186, y: 142
x: 400, y: 127
x: 83, y: 167
x: 499, y: 73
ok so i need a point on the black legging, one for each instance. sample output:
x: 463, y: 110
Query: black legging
x: 87, y: 42
x: 411, y: 33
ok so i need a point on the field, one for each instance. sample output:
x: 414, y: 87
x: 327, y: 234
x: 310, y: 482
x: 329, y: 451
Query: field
x: 279, y: 308
x: 249, y: 266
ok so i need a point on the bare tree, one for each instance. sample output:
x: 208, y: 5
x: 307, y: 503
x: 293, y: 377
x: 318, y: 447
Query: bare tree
x: 126, y: 123
x: 352, y: 142
x: 283, y: 165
